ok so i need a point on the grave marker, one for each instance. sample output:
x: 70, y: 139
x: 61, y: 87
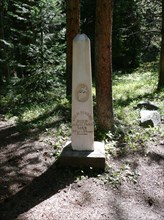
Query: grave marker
x: 83, y: 151
x: 82, y: 106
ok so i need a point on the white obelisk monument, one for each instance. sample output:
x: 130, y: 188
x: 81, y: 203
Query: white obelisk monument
x: 82, y: 105
x: 82, y: 151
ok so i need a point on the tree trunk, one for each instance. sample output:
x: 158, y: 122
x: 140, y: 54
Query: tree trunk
x: 4, y: 69
x: 1, y: 46
x: 73, y: 28
x: 161, y: 71
x: 105, y: 120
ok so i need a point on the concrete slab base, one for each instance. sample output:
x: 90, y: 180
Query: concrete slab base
x: 73, y: 158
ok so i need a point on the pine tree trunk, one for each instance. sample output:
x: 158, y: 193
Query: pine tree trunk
x: 161, y: 71
x: 73, y: 28
x: 4, y: 69
x: 1, y: 46
x: 103, y: 42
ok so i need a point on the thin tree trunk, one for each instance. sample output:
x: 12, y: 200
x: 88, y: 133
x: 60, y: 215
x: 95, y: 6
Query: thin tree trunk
x: 103, y: 46
x: 73, y: 28
x: 1, y: 46
x: 161, y: 71
x: 4, y: 69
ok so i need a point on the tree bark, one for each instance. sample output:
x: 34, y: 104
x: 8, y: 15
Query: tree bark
x: 161, y: 71
x: 4, y: 68
x: 72, y: 29
x: 105, y: 120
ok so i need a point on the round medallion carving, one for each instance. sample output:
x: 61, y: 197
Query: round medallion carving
x: 82, y: 93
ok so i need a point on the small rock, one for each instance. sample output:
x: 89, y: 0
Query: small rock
x: 150, y: 118
x: 2, y: 117
x: 161, y: 142
x: 79, y: 185
x: 51, y: 154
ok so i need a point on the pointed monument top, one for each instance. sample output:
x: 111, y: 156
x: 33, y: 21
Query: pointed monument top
x: 81, y: 37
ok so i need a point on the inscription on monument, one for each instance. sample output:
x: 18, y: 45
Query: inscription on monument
x: 82, y: 123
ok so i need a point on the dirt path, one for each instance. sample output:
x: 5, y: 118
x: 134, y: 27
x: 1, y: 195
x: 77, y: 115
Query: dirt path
x: 33, y: 187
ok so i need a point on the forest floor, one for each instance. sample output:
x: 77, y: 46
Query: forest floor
x: 33, y: 187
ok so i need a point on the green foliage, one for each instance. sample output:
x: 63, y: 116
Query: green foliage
x: 129, y: 138
x: 32, y: 36
x: 49, y: 30
x: 34, y: 49
x: 136, y: 32
x: 116, y: 176
x: 151, y: 25
x: 126, y: 34
x: 128, y: 91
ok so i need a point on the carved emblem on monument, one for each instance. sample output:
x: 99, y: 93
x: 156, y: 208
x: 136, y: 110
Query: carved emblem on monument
x: 82, y: 93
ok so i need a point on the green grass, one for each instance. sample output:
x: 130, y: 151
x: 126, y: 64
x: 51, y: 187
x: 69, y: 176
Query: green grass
x: 128, y: 90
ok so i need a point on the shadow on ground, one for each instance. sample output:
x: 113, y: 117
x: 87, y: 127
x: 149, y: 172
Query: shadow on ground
x: 27, y: 173
x: 41, y: 188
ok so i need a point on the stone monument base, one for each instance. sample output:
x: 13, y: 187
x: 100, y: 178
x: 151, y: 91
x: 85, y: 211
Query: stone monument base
x: 74, y: 158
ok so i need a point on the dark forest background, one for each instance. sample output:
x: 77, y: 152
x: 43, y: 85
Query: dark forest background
x: 33, y: 43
